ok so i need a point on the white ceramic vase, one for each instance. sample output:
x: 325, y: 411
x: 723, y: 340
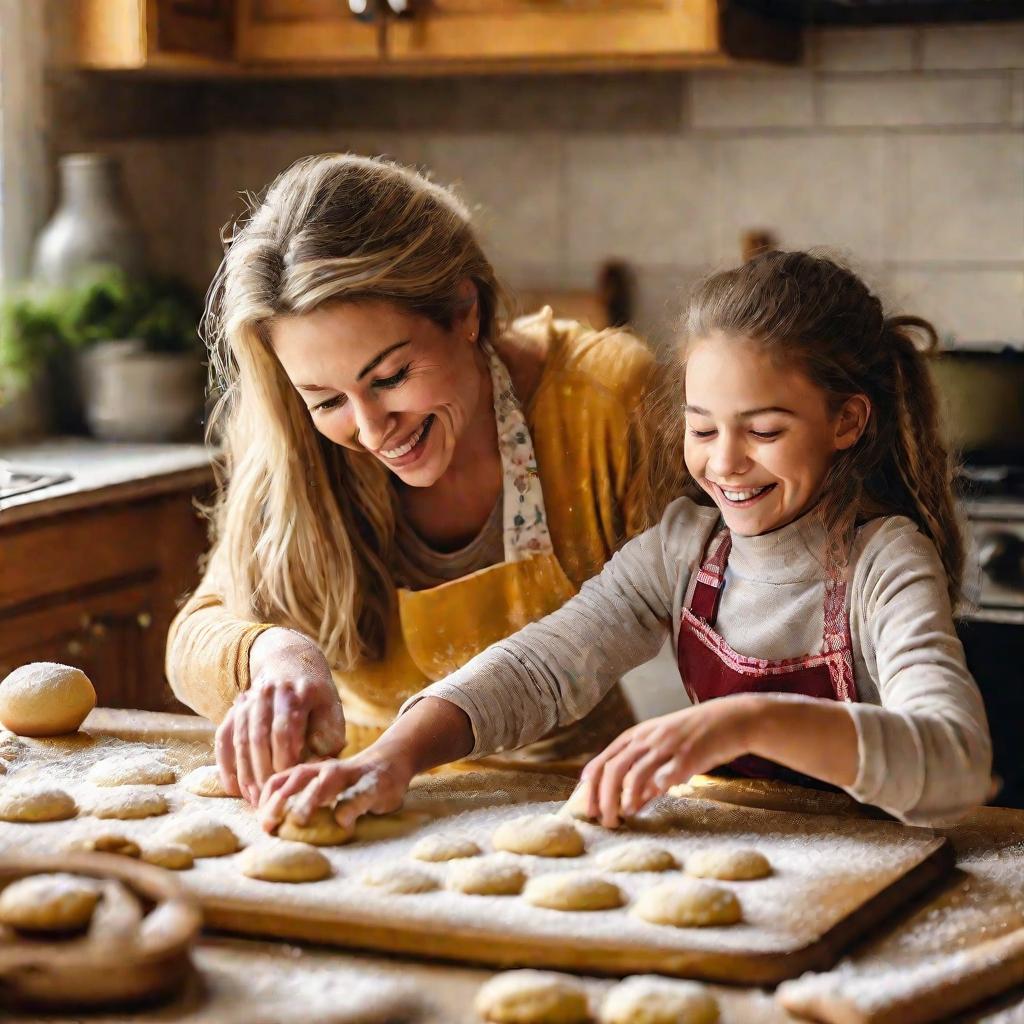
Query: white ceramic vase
x: 92, y: 224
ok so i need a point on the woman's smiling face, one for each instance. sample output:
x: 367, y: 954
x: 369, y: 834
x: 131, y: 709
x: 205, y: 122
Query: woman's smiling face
x: 379, y: 379
x: 760, y: 437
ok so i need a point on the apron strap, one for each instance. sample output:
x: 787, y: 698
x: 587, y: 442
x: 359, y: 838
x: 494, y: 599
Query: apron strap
x: 524, y: 519
x: 707, y: 590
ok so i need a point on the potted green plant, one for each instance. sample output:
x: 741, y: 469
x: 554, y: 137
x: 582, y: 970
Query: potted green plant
x: 128, y: 345
x: 28, y: 339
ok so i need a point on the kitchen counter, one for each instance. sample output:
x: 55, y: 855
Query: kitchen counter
x: 248, y: 980
x: 101, y: 472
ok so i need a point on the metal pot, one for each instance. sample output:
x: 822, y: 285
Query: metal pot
x: 982, y: 397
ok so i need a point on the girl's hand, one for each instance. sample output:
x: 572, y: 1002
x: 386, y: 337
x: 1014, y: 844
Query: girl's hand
x: 648, y: 759
x: 291, y: 711
x: 370, y: 785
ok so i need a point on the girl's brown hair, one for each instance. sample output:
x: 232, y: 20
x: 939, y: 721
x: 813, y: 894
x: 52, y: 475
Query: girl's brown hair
x: 305, y: 528
x: 810, y: 311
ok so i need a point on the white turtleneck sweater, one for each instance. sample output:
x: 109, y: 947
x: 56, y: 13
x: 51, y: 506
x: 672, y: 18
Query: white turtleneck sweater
x: 923, y: 741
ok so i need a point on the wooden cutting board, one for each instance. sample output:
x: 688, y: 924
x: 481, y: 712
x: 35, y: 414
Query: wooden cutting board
x: 835, y: 877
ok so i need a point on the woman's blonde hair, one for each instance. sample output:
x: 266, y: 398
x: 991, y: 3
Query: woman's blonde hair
x: 809, y: 311
x: 304, y: 527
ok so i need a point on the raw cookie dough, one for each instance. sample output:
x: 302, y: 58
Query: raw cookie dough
x: 105, y: 842
x: 444, y: 847
x: 730, y: 865
x: 322, y: 830
x: 688, y: 904
x: 126, y: 805
x: 45, y: 699
x: 636, y: 856
x: 544, y: 835
x: 34, y: 803
x: 205, y: 781
x: 173, y: 856
x: 487, y: 876
x: 371, y: 828
x: 131, y: 771
x: 51, y: 902
x: 573, y: 890
x: 400, y: 878
x: 532, y: 997
x: 282, y: 861
x: 205, y: 837
x: 650, y: 999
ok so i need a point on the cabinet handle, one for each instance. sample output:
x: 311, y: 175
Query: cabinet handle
x: 75, y: 647
x: 144, y: 620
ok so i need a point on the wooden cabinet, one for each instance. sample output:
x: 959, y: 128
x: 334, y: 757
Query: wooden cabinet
x: 97, y: 588
x: 585, y: 32
x: 168, y: 35
x: 305, y: 32
x: 438, y: 36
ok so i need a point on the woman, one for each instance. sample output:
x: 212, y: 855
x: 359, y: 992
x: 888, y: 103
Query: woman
x: 407, y: 477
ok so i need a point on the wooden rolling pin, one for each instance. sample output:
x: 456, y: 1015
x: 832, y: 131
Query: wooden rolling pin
x: 908, y: 995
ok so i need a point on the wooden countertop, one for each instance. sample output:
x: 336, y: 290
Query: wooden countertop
x: 228, y: 965
x: 101, y: 472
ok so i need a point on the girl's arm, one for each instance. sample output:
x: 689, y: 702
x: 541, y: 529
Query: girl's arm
x: 431, y: 733
x: 815, y: 737
x: 925, y: 749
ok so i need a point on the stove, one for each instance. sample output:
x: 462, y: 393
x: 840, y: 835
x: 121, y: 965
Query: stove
x: 993, y: 500
x: 991, y: 624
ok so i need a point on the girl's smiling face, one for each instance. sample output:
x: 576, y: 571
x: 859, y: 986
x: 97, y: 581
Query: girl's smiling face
x: 379, y: 379
x: 760, y: 437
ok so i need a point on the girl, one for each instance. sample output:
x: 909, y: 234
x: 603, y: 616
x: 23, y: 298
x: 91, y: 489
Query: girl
x: 807, y: 578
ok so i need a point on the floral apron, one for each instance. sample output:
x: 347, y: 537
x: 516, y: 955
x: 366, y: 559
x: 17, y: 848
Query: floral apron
x: 710, y: 667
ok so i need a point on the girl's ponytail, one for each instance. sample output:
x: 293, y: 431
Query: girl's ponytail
x: 921, y: 456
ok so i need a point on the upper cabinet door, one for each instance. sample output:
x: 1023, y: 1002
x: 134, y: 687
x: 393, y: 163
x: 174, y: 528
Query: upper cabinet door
x: 158, y: 34
x: 304, y: 32
x: 584, y: 33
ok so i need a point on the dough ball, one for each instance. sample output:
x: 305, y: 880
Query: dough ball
x: 444, y: 847
x: 544, y: 835
x: 322, y: 830
x: 400, y: 878
x: 688, y: 904
x: 205, y: 781
x: 281, y: 861
x: 650, y: 999
x: 637, y: 856
x: 573, y: 890
x: 106, y: 842
x: 45, y: 903
x: 173, y: 856
x: 487, y: 876
x: 532, y: 997
x: 205, y: 837
x: 45, y: 699
x: 126, y: 805
x: 131, y: 771
x: 371, y: 828
x: 34, y: 803
x: 730, y: 865
x: 576, y: 806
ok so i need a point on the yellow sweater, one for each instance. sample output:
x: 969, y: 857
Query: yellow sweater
x: 586, y: 440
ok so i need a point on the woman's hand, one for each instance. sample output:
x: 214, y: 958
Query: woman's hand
x: 648, y: 759
x: 290, y: 711
x: 367, y: 783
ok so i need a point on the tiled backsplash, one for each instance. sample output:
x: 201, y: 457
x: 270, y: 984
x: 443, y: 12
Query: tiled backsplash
x: 901, y: 148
